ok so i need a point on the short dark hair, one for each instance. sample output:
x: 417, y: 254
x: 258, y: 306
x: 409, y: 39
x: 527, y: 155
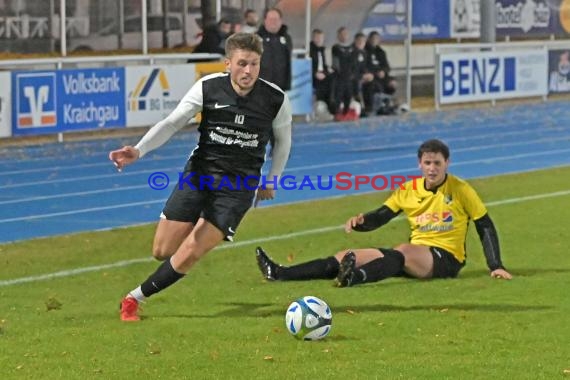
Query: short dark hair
x: 373, y: 33
x: 244, y: 41
x: 433, y: 146
x: 272, y: 9
x: 317, y: 31
x: 359, y: 35
x: 224, y: 21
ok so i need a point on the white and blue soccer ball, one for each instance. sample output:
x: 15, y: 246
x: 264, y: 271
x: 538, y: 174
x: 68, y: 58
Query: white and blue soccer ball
x: 309, y: 318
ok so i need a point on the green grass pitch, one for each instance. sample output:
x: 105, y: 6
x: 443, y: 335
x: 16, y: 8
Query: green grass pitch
x: 224, y: 322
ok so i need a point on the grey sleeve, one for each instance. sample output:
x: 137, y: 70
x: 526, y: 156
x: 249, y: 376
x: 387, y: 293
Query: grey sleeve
x: 282, y: 135
x: 162, y: 131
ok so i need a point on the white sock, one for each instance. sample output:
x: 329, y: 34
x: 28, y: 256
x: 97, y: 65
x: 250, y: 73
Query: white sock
x: 137, y: 294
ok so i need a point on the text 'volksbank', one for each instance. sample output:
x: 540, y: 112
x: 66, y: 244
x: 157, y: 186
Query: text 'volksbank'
x: 91, y: 112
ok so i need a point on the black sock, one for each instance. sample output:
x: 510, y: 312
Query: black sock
x: 311, y: 270
x: 381, y: 268
x: 161, y: 279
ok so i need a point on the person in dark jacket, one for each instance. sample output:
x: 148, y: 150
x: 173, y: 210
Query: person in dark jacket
x: 362, y: 76
x: 379, y: 66
x: 322, y: 72
x: 277, y: 50
x: 342, y: 57
x: 214, y: 38
x: 378, y: 63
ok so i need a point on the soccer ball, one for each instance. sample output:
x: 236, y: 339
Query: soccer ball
x: 309, y: 318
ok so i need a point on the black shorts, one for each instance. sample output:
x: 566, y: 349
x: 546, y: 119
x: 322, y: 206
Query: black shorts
x: 445, y: 265
x: 224, y: 208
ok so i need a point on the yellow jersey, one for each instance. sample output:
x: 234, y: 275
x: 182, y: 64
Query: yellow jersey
x: 439, y: 218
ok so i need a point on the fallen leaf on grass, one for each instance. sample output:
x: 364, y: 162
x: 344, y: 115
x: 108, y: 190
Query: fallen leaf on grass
x: 267, y: 357
x: 53, y: 304
x: 153, y: 349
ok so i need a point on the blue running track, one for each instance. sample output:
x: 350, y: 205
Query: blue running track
x: 57, y: 189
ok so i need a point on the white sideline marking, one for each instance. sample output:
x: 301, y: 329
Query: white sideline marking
x: 124, y: 263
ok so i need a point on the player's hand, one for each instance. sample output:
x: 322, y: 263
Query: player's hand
x: 353, y: 222
x: 263, y: 194
x: 501, y: 273
x: 124, y: 156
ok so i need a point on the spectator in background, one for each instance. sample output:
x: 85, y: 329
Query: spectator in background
x: 380, y: 68
x: 214, y: 38
x: 342, y: 63
x: 361, y: 74
x: 322, y: 77
x: 250, y: 22
x: 277, y: 53
x: 277, y: 50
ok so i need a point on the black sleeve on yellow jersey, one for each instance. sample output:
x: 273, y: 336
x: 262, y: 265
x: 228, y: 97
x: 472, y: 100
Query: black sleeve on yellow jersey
x: 490, y: 241
x: 375, y: 219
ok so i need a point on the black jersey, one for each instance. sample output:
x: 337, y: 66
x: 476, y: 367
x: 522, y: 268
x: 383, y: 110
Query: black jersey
x: 234, y: 130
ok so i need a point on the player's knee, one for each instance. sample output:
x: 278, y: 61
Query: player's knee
x: 401, y: 248
x: 341, y: 254
x: 161, y: 253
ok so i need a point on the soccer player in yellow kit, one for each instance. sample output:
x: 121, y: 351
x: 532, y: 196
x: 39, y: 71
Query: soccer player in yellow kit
x: 438, y: 207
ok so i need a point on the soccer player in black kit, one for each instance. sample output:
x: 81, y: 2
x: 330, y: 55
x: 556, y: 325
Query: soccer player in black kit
x: 239, y: 111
